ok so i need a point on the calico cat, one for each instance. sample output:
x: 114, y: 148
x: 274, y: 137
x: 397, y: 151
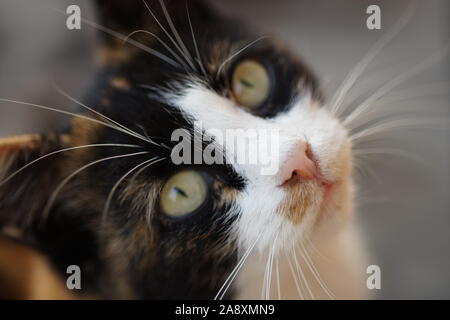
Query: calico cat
x: 106, y: 195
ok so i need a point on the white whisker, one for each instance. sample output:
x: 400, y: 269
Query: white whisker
x: 363, y: 168
x: 395, y: 82
x: 394, y: 124
x: 294, y: 275
x: 166, y: 32
x: 302, y: 275
x: 12, y: 175
x: 391, y: 151
x: 315, y: 272
x: 264, y: 279
x: 351, y: 78
x: 271, y: 257
x: 278, y: 279
x: 53, y: 196
x: 197, y: 52
x: 176, y: 34
x: 415, y: 92
x: 106, y: 124
x: 177, y: 57
x: 222, y: 291
x: 234, y: 55
x: 114, y: 123
x: 146, y: 164
x: 320, y: 254
x: 269, y: 280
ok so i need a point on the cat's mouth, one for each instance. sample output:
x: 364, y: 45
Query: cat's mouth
x: 303, y: 196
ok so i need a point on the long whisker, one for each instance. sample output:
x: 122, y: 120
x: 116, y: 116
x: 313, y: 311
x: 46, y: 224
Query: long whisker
x: 391, y: 151
x: 271, y: 257
x: 316, y: 250
x: 146, y: 164
x: 302, y: 275
x: 176, y: 34
x: 363, y: 168
x: 269, y: 280
x: 429, y: 89
x: 106, y: 124
x: 234, y: 55
x: 294, y: 275
x: 395, y: 82
x: 315, y: 272
x: 415, y: 92
x: 270, y: 274
x: 389, y: 125
x: 264, y: 280
x: 372, y: 53
x: 197, y: 52
x: 160, y: 41
x: 131, y: 132
x: 234, y: 272
x: 12, y: 175
x: 166, y: 32
x: 53, y: 196
x: 56, y: 110
x: 278, y: 279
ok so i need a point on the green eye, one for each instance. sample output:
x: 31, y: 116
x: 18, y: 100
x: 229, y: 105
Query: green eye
x: 250, y: 84
x: 183, y: 193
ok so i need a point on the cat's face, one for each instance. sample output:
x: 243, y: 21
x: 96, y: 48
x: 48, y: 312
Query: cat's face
x: 180, y: 227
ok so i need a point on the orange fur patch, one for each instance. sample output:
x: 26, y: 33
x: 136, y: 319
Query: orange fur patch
x: 13, y: 144
x: 298, y: 200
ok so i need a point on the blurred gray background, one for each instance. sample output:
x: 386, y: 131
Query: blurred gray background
x: 403, y: 205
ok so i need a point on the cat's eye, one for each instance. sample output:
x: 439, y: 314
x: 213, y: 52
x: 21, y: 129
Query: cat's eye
x: 183, y: 193
x: 250, y: 83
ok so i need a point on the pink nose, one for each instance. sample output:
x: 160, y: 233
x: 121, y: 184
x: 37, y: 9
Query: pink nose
x: 299, y: 165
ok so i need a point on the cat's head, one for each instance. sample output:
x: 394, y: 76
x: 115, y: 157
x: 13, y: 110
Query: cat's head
x: 162, y: 228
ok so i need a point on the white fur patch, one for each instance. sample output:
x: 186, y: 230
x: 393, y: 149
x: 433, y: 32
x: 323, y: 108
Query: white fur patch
x: 262, y: 197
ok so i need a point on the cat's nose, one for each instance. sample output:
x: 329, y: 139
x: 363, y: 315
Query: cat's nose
x: 299, y: 165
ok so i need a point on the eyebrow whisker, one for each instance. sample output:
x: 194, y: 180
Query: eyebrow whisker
x: 176, y: 34
x: 168, y: 34
x: 160, y: 41
x: 197, y: 52
x: 145, y: 165
x: 235, y: 54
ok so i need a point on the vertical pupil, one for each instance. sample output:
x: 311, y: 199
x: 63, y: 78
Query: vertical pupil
x: 180, y: 191
x: 246, y: 83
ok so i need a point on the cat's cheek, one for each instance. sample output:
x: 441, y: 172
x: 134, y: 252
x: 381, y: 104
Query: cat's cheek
x: 336, y: 211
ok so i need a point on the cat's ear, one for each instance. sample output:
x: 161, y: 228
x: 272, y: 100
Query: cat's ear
x: 125, y: 16
x: 25, y: 181
x: 121, y: 16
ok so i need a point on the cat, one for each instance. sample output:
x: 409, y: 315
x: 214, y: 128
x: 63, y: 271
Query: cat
x: 105, y: 194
